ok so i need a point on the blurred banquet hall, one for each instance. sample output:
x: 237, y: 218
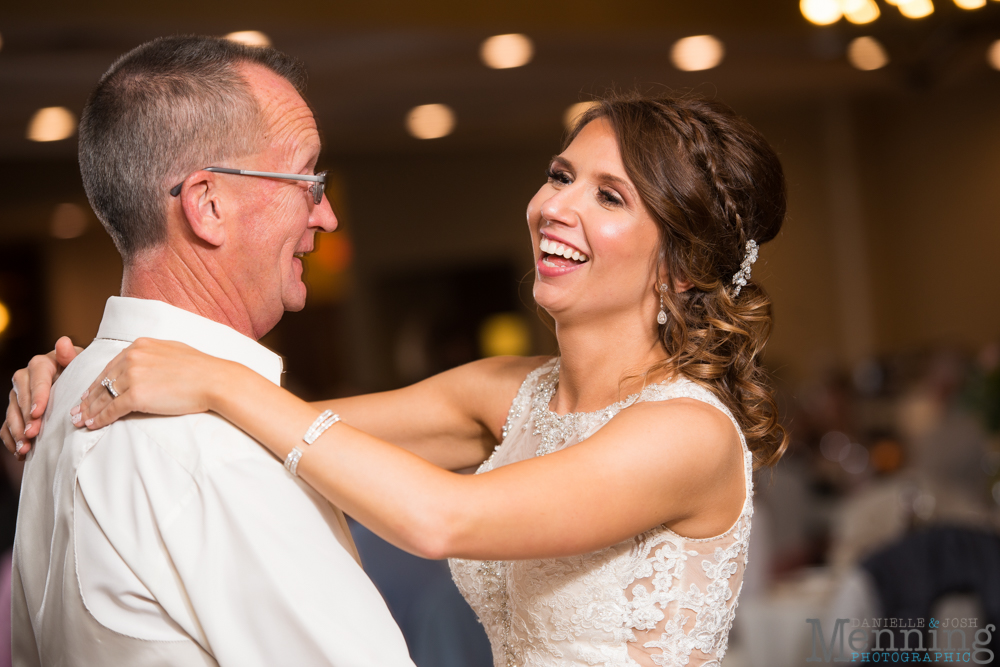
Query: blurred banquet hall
x: 438, y: 119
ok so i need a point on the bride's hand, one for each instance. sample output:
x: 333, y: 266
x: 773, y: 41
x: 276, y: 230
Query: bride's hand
x: 30, y: 396
x: 154, y: 377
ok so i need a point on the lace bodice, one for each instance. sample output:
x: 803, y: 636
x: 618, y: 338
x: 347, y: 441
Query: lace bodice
x: 673, y: 596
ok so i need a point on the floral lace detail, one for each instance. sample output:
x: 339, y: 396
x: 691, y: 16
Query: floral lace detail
x: 668, y: 596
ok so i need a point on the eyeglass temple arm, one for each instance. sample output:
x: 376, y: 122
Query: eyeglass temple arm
x: 176, y: 190
x: 265, y: 174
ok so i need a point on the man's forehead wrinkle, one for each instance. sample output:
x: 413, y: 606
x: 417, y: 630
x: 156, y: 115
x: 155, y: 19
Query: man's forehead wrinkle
x: 287, y: 119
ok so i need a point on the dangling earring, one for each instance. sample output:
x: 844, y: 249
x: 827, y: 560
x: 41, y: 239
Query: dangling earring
x: 661, y: 317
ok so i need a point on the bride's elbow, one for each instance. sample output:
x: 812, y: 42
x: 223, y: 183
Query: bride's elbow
x: 438, y: 536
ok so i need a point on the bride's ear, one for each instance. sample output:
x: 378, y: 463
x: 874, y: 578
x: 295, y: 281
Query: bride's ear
x: 679, y: 283
x: 204, y: 207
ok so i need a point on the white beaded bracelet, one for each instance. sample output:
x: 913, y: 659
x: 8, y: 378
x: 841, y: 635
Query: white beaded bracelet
x: 292, y: 460
x: 323, y: 422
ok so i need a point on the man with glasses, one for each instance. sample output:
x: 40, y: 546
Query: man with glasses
x: 180, y: 540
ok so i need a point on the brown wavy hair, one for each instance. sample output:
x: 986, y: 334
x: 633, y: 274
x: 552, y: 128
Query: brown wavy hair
x: 712, y: 183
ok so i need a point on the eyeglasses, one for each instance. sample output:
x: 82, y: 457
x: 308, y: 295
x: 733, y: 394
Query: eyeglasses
x: 317, y: 188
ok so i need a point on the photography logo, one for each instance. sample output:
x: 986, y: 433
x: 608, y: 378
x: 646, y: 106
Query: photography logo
x: 902, y: 640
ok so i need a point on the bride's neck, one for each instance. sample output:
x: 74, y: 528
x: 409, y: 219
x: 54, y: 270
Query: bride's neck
x: 596, y: 357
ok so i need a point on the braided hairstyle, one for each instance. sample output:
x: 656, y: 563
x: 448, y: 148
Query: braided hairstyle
x: 711, y: 183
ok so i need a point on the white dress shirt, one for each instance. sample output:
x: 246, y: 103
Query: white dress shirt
x: 180, y: 540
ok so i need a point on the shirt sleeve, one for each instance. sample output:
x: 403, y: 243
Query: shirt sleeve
x: 251, y: 562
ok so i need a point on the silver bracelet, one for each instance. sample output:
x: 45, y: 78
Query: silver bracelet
x: 325, y: 420
x: 292, y: 460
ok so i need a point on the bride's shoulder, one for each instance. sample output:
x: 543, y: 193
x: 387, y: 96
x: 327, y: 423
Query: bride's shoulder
x: 505, y: 375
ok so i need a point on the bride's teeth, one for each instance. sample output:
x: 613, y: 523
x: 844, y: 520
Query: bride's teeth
x: 568, y: 253
x: 576, y: 255
x: 543, y: 245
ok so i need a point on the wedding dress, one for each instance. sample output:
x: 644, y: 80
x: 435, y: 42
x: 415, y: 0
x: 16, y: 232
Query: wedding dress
x: 673, y: 596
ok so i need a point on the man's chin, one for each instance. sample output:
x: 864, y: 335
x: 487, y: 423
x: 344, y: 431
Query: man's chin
x: 295, y: 302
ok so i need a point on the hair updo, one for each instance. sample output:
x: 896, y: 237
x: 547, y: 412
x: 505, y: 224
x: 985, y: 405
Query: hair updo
x: 711, y: 182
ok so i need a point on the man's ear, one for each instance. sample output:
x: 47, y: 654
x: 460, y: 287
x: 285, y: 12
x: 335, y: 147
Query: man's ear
x: 204, y: 208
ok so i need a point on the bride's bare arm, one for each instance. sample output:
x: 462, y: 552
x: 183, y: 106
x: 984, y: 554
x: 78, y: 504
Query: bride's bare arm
x: 676, y: 462
x: 427, y: 418
x: 452, y: 419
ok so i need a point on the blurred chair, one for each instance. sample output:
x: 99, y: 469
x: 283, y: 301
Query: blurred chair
x: 918, y: 571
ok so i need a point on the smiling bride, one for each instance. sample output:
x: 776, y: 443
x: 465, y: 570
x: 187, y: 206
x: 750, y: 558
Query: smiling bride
x: 609, y: 520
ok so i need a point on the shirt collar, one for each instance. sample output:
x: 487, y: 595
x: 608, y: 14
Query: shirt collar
x: 126, y: 319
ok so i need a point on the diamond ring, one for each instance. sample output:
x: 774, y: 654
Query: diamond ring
x: 109, y: 384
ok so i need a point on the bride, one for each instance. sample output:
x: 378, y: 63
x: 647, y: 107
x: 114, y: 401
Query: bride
x: 610, y: 516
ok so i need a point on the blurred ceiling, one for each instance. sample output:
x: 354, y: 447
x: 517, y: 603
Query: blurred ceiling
x: 370, y: 62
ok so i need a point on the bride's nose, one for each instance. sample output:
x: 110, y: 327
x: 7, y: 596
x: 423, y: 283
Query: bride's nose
x: 561, y: 207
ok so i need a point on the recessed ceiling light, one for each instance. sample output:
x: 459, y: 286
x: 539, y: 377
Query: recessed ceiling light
x: 506, y: 51
x: 574, y: 112
x: 861, y: 11
x: 68, y: 221
x: 249, y: 37
x: 993, y: 55
x: 52, y: 124
x: 700, y: 52
x: 821, y: 12
x: 430, y: 121
x: 970, y: 4
x: 867, y: 53
x: 915, y: 9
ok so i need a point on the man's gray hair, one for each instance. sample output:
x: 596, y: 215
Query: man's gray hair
x: 162, y: 111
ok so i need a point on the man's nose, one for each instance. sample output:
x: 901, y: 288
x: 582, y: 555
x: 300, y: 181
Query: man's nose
x: 323, y: 216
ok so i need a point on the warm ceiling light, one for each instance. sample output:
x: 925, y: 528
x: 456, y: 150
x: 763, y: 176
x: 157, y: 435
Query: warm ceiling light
x: 506, y: 51
x: 970, y: 4
x: 993, y: 55
x: 68, y: 221
x: 51, y: 124
x: 867, y: 53
x: 915, y: 9
x: 700, y: 52
x: 4, y: 317
x: 249, y: 37
x: 821, y: 12
x: 574, y: 112
x: 430, y: 121
x: 861, y: 11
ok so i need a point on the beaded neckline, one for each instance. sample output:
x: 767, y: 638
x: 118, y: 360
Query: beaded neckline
x: 556, y: 429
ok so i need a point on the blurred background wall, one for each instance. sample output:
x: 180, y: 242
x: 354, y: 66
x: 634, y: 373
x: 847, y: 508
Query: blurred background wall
x: 884, y: 278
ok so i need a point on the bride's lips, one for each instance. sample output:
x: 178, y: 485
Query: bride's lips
x: 557, y: 258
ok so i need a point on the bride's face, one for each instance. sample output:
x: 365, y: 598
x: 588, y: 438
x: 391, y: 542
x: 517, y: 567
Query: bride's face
x: 590, y: 210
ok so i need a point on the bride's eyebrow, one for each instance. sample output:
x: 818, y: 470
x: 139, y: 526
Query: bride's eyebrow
x: 560, y: 161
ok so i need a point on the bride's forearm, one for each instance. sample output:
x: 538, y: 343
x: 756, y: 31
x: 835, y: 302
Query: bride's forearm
x: 408, y: 501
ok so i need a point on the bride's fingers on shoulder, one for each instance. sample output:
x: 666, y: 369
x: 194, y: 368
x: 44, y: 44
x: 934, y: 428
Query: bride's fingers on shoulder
x: 108, y: 411
x: 12, y: 431
x: 65, y: 351
x: 21, y: 397
x: 11, y: 443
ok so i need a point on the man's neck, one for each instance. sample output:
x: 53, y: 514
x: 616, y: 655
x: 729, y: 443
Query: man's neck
x: 190, y: 283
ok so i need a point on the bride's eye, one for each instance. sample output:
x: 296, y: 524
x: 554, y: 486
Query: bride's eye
x: 558, y: 176
x: 609, y: 197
